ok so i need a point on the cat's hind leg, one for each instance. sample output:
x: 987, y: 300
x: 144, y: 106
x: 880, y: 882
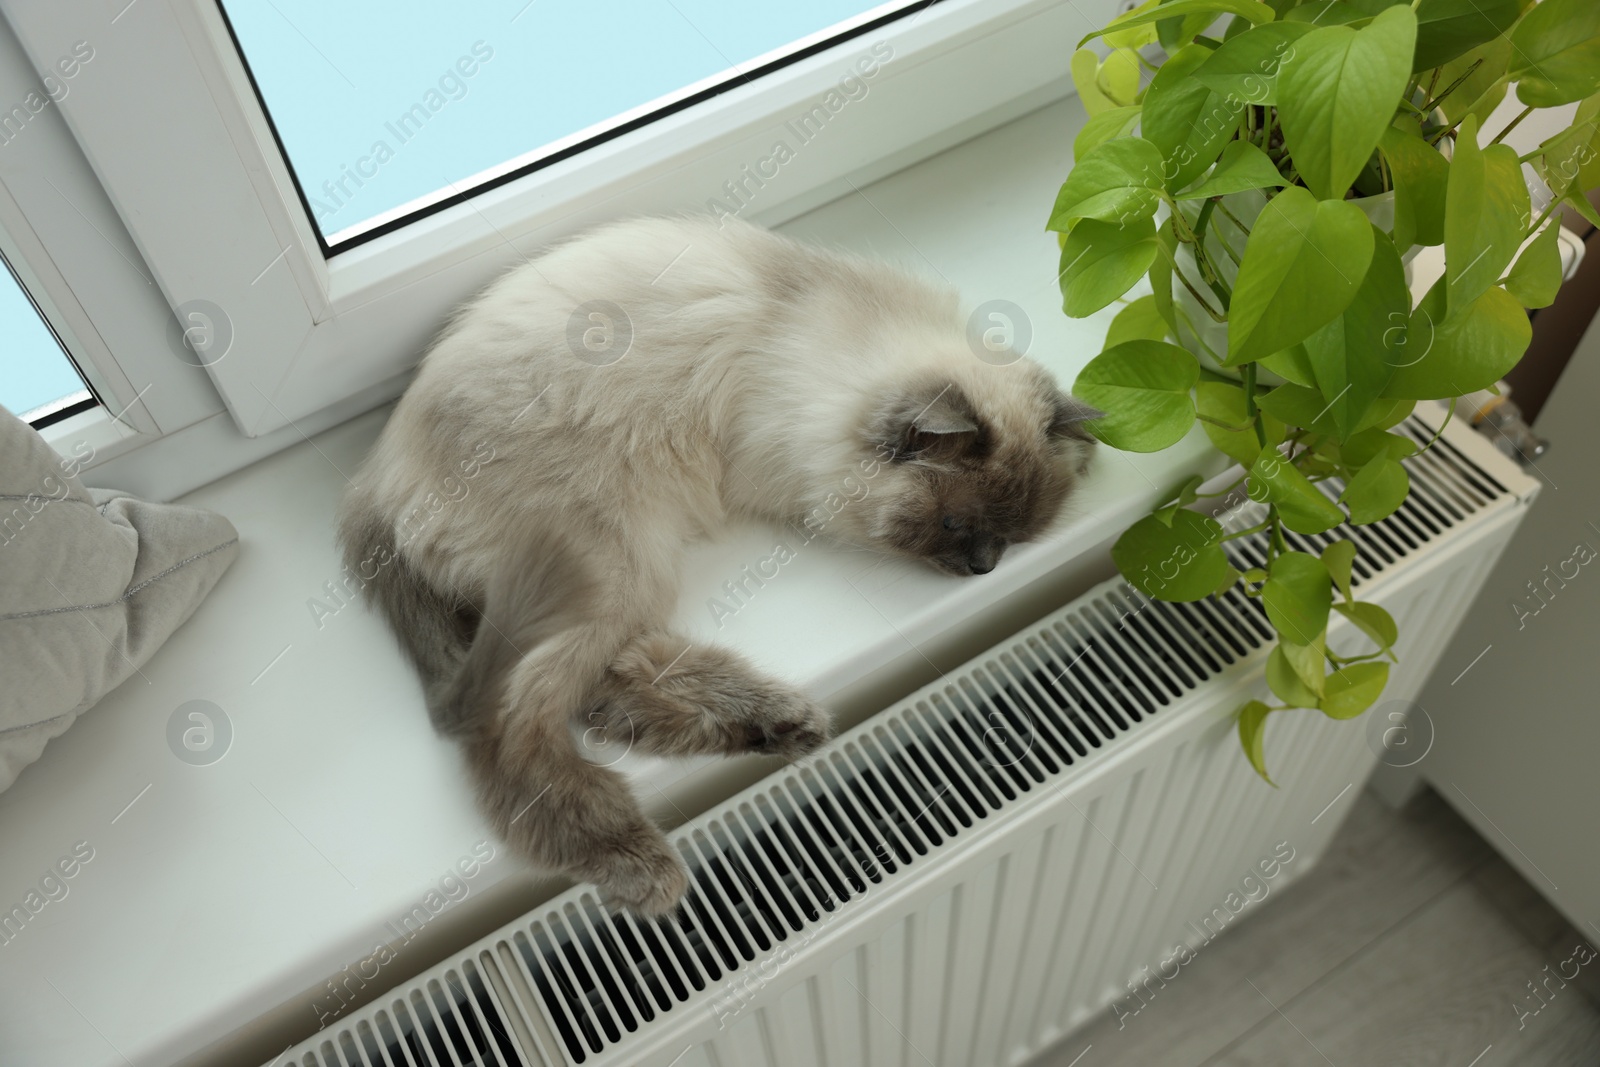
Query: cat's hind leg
x: 543, y: 645
x: 666, y: 695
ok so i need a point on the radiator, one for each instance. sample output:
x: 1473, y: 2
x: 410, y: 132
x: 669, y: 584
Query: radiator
x: 972, y: 873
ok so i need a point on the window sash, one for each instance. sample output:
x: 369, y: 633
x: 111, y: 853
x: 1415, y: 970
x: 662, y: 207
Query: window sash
x: 190, y: 162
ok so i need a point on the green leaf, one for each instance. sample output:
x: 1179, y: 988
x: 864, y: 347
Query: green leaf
x: 1143, y: 387
x: 1353, y: 688
x: 1286, y: 683
x: 1242, y: 166
x: 1571, y: 159
x: 1224, y: 401
x: 1340, y: 92
x: 1140, y: 16
x: 1377, y: 489
x: 1119, y: 76
x: 1297, y: 597
x: 1118, y: 181
x: 1348, y: 354
x: 1536, y: 275
x: 1292, y: 365
x: 1471, y: 349
x: 1386, y: 412
x: 1275, y: 480
x: 1338, y: 558
x: 1139, y: 321
x: 1556, y: 53
x: 1187, y: 121
x: 1297, y: 405
x: 1100, y: 261
x: 1308, y: 663
x: 1421, y: 176
x: 1364, y: 447
x: 1302, y: 267
x: 1331, y: 13
x: 1485, y: 215
x: 1177, y: 562
x: 1135, y: 36
x: 1484, y: 86
x: 1186, y: 494
x: 1227, y: 582
x: 1448, y: 28
x: 1085, y: 69
x: 1247, y: 66
x: 1575, y: 199
x: 1252, y: 731
x: 1102, y: 128
x: 1371, y: 620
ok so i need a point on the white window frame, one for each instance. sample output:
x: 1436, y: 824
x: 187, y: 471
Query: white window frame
x: 195, y: 180
x: 64, y: 239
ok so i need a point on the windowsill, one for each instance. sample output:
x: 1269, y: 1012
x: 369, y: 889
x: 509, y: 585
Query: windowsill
x: 227, y: 890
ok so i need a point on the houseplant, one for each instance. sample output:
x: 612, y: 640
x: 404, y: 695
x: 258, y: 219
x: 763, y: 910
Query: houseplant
x: 1271, y: 178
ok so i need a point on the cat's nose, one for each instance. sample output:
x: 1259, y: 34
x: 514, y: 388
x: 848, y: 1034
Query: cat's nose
x: 984, y: 555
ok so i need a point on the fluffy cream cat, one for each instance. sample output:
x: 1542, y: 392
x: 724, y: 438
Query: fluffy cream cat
x: 625, y: 394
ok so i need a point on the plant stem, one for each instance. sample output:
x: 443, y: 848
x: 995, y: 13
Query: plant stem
x: 1427, y: 109
x: 1236, y: 483
x: 1233, y: 219
x: 1448, y: 415
x: 1448, y: 131
x: 1226, y: 247
x: 1178, y: 271
x: 1204, y: 260
x: 1247, y: 532
x: 1180, y: 223
x: 1555, y: 202
x: 1524, y: 113
x: 1226, y: 426
x: 1250, y: 410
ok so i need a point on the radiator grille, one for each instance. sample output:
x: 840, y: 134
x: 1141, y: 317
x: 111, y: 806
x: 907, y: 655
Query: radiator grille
x: 772, y: 866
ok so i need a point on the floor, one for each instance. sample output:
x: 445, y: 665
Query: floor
x: 1412, y: 943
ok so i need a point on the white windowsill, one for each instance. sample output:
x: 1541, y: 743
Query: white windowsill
x: 232, y: 890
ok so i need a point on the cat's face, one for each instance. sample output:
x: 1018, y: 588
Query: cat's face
x: 963, y: 477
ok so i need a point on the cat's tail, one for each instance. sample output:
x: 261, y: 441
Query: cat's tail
x: 435, y: 627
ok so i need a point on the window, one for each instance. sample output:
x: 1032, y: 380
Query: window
x: 445, y: 99
x: 37, y: 380
x: 214, y: 125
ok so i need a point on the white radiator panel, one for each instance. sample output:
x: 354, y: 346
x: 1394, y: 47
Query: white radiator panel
x: 971, y: 874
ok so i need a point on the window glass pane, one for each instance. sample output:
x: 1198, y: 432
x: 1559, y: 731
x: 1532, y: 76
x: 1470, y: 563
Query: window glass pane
x: 35, y: 375
x: 386, y: 108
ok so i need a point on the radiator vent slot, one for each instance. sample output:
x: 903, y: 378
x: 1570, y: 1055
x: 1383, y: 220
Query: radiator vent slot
x: 773, y: 864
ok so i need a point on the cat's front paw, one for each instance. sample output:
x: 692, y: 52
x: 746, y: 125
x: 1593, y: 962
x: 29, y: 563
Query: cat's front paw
x: 649, y: 878
x: 790, y: 727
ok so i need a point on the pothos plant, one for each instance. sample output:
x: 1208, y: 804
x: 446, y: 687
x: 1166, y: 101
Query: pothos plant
x: 1272, y: 179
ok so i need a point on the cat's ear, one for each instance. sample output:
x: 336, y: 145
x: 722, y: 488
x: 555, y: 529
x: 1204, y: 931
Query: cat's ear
x: 1067, y: 416
x: 936, y: 423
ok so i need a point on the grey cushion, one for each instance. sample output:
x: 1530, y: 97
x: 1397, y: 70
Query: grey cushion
x: 91, y: 583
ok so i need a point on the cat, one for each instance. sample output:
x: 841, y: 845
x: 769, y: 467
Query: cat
x: 628, y: 392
